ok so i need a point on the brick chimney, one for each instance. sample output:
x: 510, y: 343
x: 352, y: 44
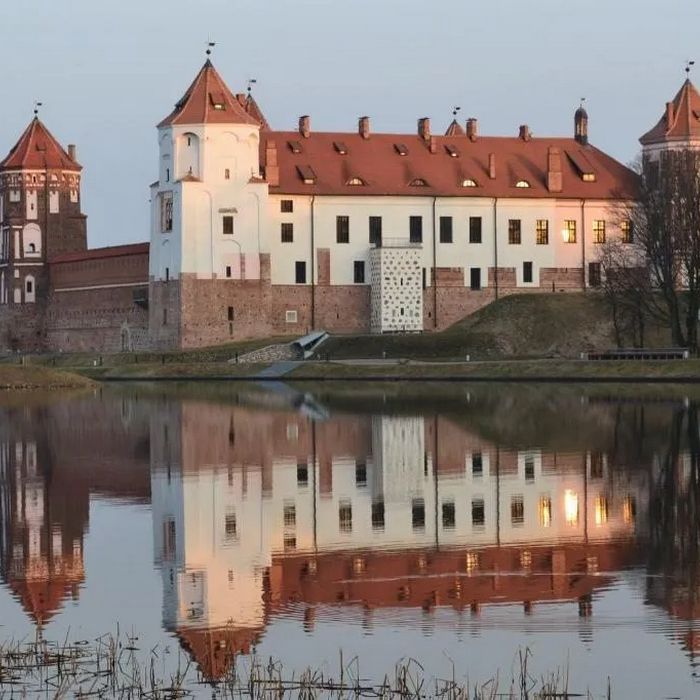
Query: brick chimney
x: 492, y: 166
x: 305, y: 126
x: 363, y: 127
x: 669, y: 114
x: 424, y: 128
x: 433, y: 144
x: 72, y: 151
x: 554, y: 174
x: 272, y: 169
x: 472, y: 130
x: 524, y: 132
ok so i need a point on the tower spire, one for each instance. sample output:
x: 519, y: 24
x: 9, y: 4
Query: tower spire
x: 688, y: 67
x: 210, y: 45
x: 36, y: 108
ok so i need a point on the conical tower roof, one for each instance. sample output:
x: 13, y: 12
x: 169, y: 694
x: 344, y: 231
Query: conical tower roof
x: 681, y: 121
x: 208, y: 101
x: 455, y: 129
x: 37, y: 149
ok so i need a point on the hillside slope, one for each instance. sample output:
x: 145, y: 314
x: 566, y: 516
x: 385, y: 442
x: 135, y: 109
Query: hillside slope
x: 522, y: 325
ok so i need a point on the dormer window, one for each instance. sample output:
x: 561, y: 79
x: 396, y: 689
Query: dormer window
x: 307, y: 174
x: 418, y: 182
x: 452, y: 151
x: 588, y: 177
x: 401, y: 149
x: 294, y: 146
x: 355, y: 182
x: 522, y: 184
x: 218, y: 101
x: 340, y: 148
x: 468, y: 182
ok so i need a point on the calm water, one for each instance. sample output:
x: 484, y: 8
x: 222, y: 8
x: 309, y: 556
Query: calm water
x: 446, y: 523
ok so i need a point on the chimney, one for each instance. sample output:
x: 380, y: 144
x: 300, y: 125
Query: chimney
x: 524, y: 132
x: 669, y: 114
x: 72, y: 152
x: 433, y: 144
x: 424, y: 128
x: 305, y: 126
x: 363, y: 127
x: 471, y: 129
x: 554, y: 176
x: 492, y: 166
x: 272, y: 169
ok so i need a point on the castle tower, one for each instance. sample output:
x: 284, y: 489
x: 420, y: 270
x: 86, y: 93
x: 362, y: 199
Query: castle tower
x: 678, y: 127
x: 581, y: 125
x: 207, y: 211
x: 40, y: 217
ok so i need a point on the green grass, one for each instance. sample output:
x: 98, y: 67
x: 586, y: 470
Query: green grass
x: 18, y: 377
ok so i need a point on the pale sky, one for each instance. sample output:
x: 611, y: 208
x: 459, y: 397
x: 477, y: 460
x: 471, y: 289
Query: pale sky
x: 107, y: 72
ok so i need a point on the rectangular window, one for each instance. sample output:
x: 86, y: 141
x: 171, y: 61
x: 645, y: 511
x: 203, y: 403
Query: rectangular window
x: 477, y: 464
x: 599, y: 231
x: 302, y: 474
x: 230, y: 526
x: 290, y: 515
x: 527, y: 272
x: 378, y: 515
x: 529, y: 468
x: 287, y: 206
x: 517, y: 510
x: 345, y: 516
x: 228, y: 271
x: 227, y: 222
x: 542, y: 232
x: 375, y: 230
x: 596, y: 465
x: 569, y: 231
x: 475, y: 278
x: 360, y: 473
x: 167, y: 274
x: 545, y: 511
x: 287, y: 233
x: 165, y: 317
x: 514, y: 231
x: 415, y: 228
x: 166, y: 212
x: 230, y: 313
x: 478, y: 512
x: 448, y: 515
x: 594, y: 274
x: 359, y: 271
x: 475, y: 229
x: 418, y: 513
x: 627, y: 231
x: 342, y: 229
x: 300, y: 272
x: 445, y: 229
x: 227, y: 174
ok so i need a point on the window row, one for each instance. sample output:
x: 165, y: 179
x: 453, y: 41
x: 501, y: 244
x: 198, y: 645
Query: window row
x: 446, y: 230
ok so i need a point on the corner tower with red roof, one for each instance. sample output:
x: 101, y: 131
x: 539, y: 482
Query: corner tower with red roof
x: 40, y: 218
x: 209, y: 208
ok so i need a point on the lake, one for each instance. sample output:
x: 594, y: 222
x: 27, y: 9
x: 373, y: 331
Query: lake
x: 360, y: 526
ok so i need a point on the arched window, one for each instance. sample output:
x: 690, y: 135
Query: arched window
x: 356, y: 182
x: 418, y: 182
x: 31, y: 240
x: 522, y: 184
x: 187, y: 155
x: 468, y: 182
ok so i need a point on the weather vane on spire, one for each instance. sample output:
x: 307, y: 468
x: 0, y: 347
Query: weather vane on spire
x: 251, y: 82
x: 688, y: 66
x: 455, y: 110
x: 36, y: 108
x: 210, y: 45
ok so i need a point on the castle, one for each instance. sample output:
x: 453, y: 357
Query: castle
x: 257, y: 232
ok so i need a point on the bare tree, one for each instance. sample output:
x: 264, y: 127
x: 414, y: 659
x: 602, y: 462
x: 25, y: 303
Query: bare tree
x: 656, y: 273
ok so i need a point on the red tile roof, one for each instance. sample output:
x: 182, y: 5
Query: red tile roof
x: 253, y: 109
x: 683, y: 121
x: 97, y: 253
x: 37, y: 149
x: 208, y: 101
x: 378, y: 162
x: 455, y: 129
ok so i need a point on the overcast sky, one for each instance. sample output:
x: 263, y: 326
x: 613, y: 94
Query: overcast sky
x: 107, y: 72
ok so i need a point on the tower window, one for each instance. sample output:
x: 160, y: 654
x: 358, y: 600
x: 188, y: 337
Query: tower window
x: 227, y: 225
x: 166, y: 212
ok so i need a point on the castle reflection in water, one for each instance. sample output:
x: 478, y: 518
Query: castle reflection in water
x: 257, y: 510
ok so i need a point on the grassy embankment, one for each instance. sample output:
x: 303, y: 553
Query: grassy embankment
x: 14, y: 377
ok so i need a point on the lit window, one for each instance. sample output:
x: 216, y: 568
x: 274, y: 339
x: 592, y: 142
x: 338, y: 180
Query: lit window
x: 627, y: 231
x: 588, y: 177
x: 599, y: 231
x: 469, y: 183
x: 545, y: 511
x: 542, y: 232
x: 340, y: 148
x: 569, y: 231
x: 601, y: 510
x: 401, y: 149
x: 522, y: 184
x: 571, y: 507
x: 629, y: 510
x: 514, y: 236
x: 452, y: 151
x: 355, y: 182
